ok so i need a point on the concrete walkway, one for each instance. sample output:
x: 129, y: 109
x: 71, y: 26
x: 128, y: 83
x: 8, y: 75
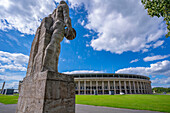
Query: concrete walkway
x: 11, y: 108
x: 99, y: 109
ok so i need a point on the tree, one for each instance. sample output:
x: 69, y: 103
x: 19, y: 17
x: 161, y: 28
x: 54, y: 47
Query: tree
x: 159, y: 8
x: 161, y: 89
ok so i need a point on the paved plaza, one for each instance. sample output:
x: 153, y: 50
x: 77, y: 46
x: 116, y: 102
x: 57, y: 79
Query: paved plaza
x: 82, y: 109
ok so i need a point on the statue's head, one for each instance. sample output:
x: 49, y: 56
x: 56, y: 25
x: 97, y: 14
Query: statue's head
x: 70, y: 35
x: 59, y: 9
x: 62, y: 2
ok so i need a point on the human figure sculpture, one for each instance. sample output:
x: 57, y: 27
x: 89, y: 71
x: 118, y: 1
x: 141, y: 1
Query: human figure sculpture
x: 52, y: 51
x: 42, y: 79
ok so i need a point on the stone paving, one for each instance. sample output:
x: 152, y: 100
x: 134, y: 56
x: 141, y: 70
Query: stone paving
x: 82, y: 109
x: 10, y: 108
x: 99, y: 109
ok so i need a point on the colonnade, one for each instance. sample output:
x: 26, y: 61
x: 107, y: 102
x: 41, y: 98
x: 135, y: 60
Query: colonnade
x: 102, y: 86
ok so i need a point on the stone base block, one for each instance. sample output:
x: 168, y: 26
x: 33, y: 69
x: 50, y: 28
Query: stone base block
x: 47, y: 92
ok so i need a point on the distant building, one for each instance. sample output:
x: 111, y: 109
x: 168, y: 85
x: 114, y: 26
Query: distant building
x: 8, y: 91
x: 108, y: 83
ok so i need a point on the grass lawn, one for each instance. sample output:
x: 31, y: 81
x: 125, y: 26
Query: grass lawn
x: 141, y: 102
x: 9, y: 99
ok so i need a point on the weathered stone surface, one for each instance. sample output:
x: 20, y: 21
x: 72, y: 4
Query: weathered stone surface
x: 45, y: 48
x: 49, y: 92
x: 44, y: 90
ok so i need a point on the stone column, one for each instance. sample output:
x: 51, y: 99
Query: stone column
x: 120, y: 88
x: 138, y: 87
x: 141, y: 88
x: 97, y: 86
x: 150, y: 88
x: 144, y: 87
x: 84, y: 87
x: 134, y: 87
x: 109, y: 85
x: 90, y: 87
x: 103, y: 87
x: 147, y: 88
x: 79, y: 87
x: 114, y: 87
x: 146, y: 84
x: 125, y: 87
x: 130, y: 89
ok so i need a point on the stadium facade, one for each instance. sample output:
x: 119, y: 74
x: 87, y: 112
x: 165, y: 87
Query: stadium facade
x: 109, y: 83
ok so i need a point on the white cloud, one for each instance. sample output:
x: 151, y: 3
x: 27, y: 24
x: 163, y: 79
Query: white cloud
x: 5, y: 60
x: 145, y: 50
x: 87, y: 45
x: 4, y: 25
x: 6, y: 4
x: 157, y: 57
x: 159, y: 68
x: 121, y: 25
x: 86, y: 35
x: 16, y: 58
x: 8, y: 78
x: 158, y: 43
x: 14, y: 67
x: 66, y: 41
x: 161, y: 81
x: 24, y: 15
x: 13, y: 61
x: 82, y: 23
x: 22, y: 35
x: 82, y: 71
x: 10, y: 85
x: 136, y: 60
x: 2, y: 70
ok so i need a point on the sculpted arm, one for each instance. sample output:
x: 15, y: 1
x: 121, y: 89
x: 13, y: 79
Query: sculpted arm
x: 70, y: 32
x: 67, y: 19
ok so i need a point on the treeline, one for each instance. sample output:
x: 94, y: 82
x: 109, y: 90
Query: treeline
x: 161, y: 89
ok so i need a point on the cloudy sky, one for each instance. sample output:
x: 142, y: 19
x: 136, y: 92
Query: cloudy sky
x: 113, y: 36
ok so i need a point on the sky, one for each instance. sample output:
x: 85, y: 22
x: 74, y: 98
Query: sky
x: 113, y: 36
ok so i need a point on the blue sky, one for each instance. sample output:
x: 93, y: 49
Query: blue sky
x: 113, y: 36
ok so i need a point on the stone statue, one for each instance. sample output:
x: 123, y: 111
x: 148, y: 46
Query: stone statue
x: 45, y: 48
x: 44, y: 90
x: 52, y: 51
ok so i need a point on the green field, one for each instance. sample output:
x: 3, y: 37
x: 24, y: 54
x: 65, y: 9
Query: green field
x: 9, y: 99
x: 141, y: 102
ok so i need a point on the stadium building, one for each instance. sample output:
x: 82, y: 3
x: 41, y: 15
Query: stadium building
x: 108, y: 83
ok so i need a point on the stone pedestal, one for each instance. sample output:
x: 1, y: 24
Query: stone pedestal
x: 47, y: 92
